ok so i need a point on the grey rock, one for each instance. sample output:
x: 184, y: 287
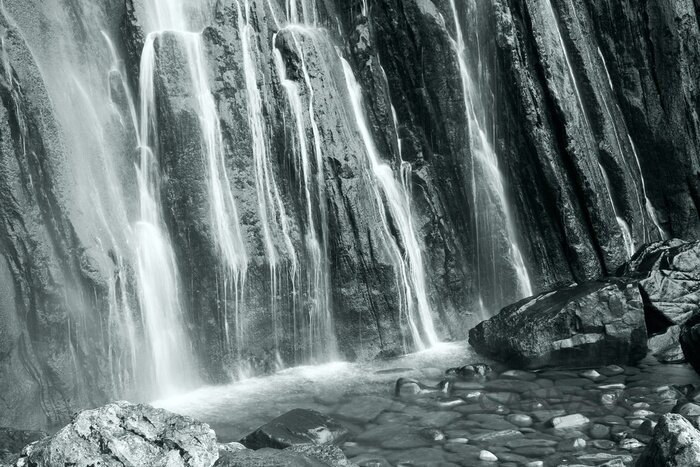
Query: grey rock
x: 120, y: 434
x: 589, y: 324
x: 675, y: 443
x: 298, y: 426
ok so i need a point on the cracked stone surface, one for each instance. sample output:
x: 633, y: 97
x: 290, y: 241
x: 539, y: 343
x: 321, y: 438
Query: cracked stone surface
x: 121, y: 434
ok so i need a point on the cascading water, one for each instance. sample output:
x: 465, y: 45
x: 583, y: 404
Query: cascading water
x: 321, y: 339
x: 485, y: 163
x: 270, y: 206
x: 409, y: 263
x: 157, y: 273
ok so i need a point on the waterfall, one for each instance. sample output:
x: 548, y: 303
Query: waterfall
x: 651, y: 211
x: 621, y: 222
x: 157, y: 274
x: 270, y: 205
x: 321, y: 338
x: 408, y: 263
x: 485, y: 160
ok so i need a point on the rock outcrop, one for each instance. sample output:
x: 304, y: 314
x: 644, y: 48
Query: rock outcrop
x: 589, y: 324
x: 675, y: 443
x: 121, y: 434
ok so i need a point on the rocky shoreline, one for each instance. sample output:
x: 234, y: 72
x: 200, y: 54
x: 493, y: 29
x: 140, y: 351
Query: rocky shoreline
x: 475, y: 415
x: 577, y: 378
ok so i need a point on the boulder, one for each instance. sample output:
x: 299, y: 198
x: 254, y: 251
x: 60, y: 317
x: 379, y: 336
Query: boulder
x: 675, y: 443
x: 669, y: 276
x: 590, y: 324
x: 121, y: 434
x: 298, y: 426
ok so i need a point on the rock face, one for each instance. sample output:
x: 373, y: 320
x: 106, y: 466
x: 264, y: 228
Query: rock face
x: 126, y: 434
x: 562, y: 138
x: 298, y: 426
x: 588, y: 324
x: 675, y: 443
x: 669, y: 275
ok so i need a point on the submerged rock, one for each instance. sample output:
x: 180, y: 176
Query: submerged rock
x: 675, y: 443
x: 589, y: 324
x: 300, y: 455
x: 121, y: 434
x: 298, y: 426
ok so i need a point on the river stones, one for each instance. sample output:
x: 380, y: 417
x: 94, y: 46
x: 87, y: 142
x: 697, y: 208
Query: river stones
x: 298, y: 426
x: 594, y: 323
x: 569, y: 421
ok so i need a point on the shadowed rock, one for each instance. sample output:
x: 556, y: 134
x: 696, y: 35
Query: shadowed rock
x: 298, y: 426
x: 589, y: 324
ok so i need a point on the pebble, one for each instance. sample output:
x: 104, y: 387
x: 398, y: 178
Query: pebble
x: 599, y: 431
x: 604, y: 444
x: 569, y: 421
x: 689, y: 410
x: 519, y: 375
x: 572, y: 444
x: 630, y: 444
x: 488, y: 456
x: 612, y: 370
x: 592, y: 375
x: 535, y: 464
x: 520, y: 420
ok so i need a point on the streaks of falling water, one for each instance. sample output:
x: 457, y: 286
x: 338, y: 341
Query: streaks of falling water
x: 270, y: 205
x: 483, y: 153
x: 621, y: 222
x: 409, y: 264
x: 321, y: 338
x: 156, y: 268
x: 647, y: 203
x: 180, y: 19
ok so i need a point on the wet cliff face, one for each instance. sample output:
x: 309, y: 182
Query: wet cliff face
x: 496, y: 148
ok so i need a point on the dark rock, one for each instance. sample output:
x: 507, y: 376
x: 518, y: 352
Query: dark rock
x: 12, y: 441
x: 589, y: 324
x: 669, y: 275
x: 121, y: 434
x: 298, y: 426
x: 675, y: 443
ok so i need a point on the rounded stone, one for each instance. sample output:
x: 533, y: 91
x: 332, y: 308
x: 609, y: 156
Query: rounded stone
x: 520, y: 420
x: 488, y: 456
x: 599, y: 431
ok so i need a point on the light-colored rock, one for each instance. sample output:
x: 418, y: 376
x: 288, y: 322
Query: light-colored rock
x: 675, y: 443
x: 121, y: 434
x: 569, y: 421
x: 488, y: 456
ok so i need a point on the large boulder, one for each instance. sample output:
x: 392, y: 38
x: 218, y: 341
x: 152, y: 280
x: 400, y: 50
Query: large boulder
x: 298, y: 426
x: 594, y: 323
x: 669, y: 275
x: 675, y: 443
x: 121, y: 434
